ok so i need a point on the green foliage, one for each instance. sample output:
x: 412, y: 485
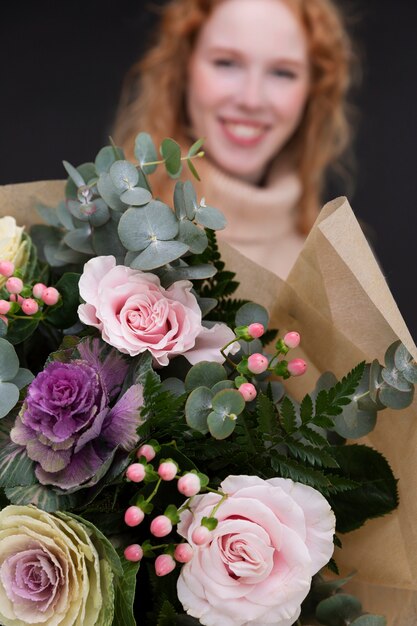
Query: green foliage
x: 161, y: 411
x: 338, y: 610
x: 12, y: 378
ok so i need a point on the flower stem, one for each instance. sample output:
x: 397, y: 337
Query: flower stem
x: 154, y: 492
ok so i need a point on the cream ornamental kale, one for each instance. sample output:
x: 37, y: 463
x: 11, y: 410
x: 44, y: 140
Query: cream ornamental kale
x: 73, y: 418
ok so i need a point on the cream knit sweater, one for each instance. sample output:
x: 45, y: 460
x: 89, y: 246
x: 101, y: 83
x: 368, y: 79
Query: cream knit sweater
x: 261, y: 220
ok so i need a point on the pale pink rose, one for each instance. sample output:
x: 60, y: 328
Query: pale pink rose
x: 134, y: 313
x: 272, y: 537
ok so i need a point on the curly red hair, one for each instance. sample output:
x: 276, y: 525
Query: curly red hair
x: 153, y: 94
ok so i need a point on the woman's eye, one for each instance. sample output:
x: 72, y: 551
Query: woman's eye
x: 224, y: 63
x: 282, y: 73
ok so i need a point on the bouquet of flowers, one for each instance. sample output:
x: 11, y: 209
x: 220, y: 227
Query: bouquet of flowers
x: 157, y: 463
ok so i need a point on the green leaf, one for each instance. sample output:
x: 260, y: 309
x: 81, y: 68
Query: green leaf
x: 15, y: 466
x: 22, y: 378
x: 376, y: 494
x: 228, y: 403
x: 20, y: 330
x: 66, y: 315
x: 198, y: 407
x: 136, y: 196
x: 338, y: 610
x: 267, y: 415
x: 369, y: 620
x: 167, y: 614
x: 250, y: 313
x: 139, y: 227
x: 109, y: 193
x: 192, y: 169
x: 171, y: 152
x: 393, y: 398
x: 74, y: 174
x: 124, y: 175
x: 195, y: 148
x: 306, y: 409
x: 220, y: 425
x: 9, y: 362
x: 44, y: 498
x: 210, y: 217
x: 193, y: 236
x: 310, y: 455
x: 145, y: 152
x: 9, y: 396
x: 204, y: 374
x: 106, y: 241
x: 106, y: 157
x: 79, y: 240
x: 288, y: 468
x: 288, y: 415
x: 158, y: 253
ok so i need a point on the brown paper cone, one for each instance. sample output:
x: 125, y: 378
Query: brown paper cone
x: 338, y: 299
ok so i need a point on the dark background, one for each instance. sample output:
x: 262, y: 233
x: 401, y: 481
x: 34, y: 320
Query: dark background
x: 62, y: 66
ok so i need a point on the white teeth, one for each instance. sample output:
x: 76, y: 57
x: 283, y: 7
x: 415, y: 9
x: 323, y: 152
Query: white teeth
x: 244, y: 131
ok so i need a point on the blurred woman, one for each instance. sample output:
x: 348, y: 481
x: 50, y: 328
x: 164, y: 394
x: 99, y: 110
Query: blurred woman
x: 265, y: 83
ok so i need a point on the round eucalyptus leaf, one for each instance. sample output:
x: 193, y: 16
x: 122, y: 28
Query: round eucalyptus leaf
x: 353, y: 422
x: 106, y: 241
x: 192, y: 272
x: 109, y: 193
x: 106, y: 157
x: 410, y: 372
x: 99, y: 213
x: 87, y: 172
x: 374, y: 379
x: 159, y: 253
x: 369, y: 620
x: 395, y: 399
x: 9, y: 395
x: 190, y: 200
x: 80, y: 240
x: 193, y: 236
x: 124, y: 175
x: 60, y: 255
x: 228, y: 402
x: 74, y: 174
x: 197, y: 409
x: 145, y: 152
x: 174, y: 385
x: 155, y: 221
x: 209, y: 217
x: 9, y: 362
x: 250, y: 313
x: 220, y: 426
x: 179, y: 200
x: 204, y: 374
x: 22, y: 378
x: 389, y: 357
x: 395, y: 378
x: 171, y: 152
x: 402, y: 357
x: 136, y: 196
x: 64, y: 216
x: 223, y: 384
x: 338, y: 610
x: 74, y: 208
x: 206, y: 304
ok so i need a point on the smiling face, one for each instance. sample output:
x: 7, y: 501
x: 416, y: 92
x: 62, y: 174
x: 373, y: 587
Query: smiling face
x: 248, y: 84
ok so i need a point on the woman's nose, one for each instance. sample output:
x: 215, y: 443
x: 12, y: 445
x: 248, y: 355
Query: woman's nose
x: 251, y: 92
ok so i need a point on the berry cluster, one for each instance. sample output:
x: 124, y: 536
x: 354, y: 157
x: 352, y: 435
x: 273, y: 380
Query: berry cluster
x: 189, y: 484
x: 257, y: 363
x: 23, y: 297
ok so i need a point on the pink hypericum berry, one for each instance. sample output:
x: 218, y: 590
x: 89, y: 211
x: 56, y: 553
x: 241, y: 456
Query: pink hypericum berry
x: 50, y: 296
x: 292, y: 339
x: 147, y: 451
x: 16, y: 298
x: 14, y: 285
x: 161, y: 526
x: 183, y: 553
x: 6, y: 268
x: 167, y: 470
x: 133, y: 553
x: 164, y: 564
x: 189, y: 485
x: 248, y: 391
x: 134, y: 516
x: 297, y: 367
x: 38, y: 290
x: 201, y: 535
x: 256, y: 330
x: 136, y: 472
x: 4, y: 318
x: 257, y: 363
x: 30, y: 306
x: 4, y: 307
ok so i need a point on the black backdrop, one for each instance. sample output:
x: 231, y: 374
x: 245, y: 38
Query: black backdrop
x: 62, y: 65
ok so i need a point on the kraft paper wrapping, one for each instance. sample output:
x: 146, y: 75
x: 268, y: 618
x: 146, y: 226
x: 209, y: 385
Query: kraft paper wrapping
x: 338, y: 299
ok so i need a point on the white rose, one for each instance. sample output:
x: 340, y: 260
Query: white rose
x: 12, y: 246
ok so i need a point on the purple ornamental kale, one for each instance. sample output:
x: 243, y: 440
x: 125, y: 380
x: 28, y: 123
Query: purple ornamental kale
x: 73, y: 419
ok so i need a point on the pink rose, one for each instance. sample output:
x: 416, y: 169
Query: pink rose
x: 272, y: 537
x: 134, y: 313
